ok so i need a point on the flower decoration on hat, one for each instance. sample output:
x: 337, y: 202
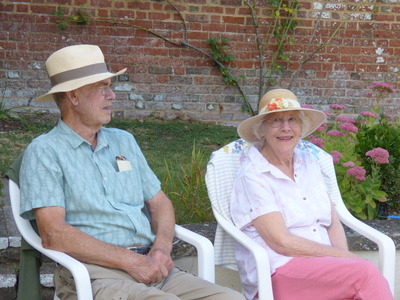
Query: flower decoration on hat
x: 277, y: 103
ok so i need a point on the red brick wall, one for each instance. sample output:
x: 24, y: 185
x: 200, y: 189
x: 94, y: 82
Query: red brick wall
x: 171, y: 81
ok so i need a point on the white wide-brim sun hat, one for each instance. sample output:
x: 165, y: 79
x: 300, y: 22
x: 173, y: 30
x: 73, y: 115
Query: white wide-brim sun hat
x: 280, y: 100
x: 73, y: 67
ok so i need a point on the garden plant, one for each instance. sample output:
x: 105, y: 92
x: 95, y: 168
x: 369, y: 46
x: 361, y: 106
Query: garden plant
x: 366, y: 154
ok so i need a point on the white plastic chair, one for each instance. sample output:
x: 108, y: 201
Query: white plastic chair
x: 204, y: 247
x: 221, y: 172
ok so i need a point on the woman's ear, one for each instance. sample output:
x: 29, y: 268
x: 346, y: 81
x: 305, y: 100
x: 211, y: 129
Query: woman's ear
x: 261, y: 129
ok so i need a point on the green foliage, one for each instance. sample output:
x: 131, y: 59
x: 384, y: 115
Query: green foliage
x: 62, y: 22
x: 283, y: 24
x: 220, y: 51
x: 360, y: 196
x: 366, y: 183
x: 14, y: 140
x: 385, y: 135
x: 6, y: 113
x: 188, y: 190
x: 82, y: 17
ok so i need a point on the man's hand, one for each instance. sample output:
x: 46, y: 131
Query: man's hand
x: 147, y: 269
x: 163, y: 257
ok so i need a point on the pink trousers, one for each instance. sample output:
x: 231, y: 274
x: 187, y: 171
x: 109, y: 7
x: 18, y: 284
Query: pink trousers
x: 329, y: 278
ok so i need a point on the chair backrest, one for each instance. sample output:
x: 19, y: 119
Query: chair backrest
x: 220, y: 176
x: 24, y: 226
x: 78, y: 270
x: 221, y: 172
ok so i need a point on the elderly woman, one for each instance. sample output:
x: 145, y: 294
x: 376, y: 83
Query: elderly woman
x: 280, y: 200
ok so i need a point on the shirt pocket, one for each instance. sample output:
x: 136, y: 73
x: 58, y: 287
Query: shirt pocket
x: 126, y: 188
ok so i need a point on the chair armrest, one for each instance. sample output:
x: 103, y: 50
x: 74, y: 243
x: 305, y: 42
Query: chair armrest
x: 205, y: 251
x: 78, y: 271
x: 259, y: 253
x: 386, y: 246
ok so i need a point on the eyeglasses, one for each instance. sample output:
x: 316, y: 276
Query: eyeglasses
x: 104, y: 90
x: 278, y: 122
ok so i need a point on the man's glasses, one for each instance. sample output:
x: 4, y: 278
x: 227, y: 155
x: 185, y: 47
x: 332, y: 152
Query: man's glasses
x: 104, y: 90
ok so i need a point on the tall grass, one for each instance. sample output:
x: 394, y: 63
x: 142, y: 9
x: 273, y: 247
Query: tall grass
x: 187, y: 189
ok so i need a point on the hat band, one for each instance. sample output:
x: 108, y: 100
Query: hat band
x: 78, y: 73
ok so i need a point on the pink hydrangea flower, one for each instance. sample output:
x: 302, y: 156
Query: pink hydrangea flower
x: 348, y: 127
x: 334, y: 132
x: 307, y: 106
x: 382, y: 86
x: 327, y: 113
x: 318, y: 142
x: 336, y: 155
x: 322, y: 127
x: 357, y: 172
x: 368, y: 114
x: 349, y: 164
x: 337, y: 106
x: 379, y: 155
x: 345, y: 119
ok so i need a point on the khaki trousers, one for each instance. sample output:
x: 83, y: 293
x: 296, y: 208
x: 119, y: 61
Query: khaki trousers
x: 112, y: 284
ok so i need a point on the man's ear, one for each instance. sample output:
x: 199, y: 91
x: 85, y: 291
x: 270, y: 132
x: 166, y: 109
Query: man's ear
x: 72, y: 97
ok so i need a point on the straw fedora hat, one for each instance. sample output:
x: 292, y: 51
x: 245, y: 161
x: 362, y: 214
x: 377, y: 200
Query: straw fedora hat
x: 280, y: 100
x: 73, y: 67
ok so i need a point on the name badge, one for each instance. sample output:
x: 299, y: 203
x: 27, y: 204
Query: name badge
x: 123, y: 164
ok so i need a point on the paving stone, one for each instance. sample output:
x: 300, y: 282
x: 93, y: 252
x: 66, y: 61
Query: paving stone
x: 7, y: 280
x: 8, y: 293
x: 12, y: 229
x: 3, y: 242
x: 3, y: 226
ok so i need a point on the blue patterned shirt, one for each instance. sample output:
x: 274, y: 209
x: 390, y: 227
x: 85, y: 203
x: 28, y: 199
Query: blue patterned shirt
x: 61, y: 169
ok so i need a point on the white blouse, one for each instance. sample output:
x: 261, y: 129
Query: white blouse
x: 261, y: 188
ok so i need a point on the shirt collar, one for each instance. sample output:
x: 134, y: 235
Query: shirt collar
x: 76, y: 140
x: 261, y: 164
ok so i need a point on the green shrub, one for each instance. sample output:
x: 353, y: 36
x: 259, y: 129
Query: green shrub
x: 366, y: 153
x: 385, y: 135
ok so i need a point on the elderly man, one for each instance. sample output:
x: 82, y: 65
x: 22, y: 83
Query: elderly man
x: 87, y: 185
